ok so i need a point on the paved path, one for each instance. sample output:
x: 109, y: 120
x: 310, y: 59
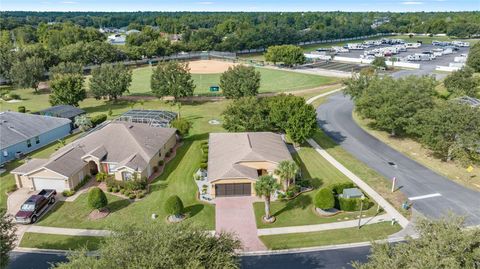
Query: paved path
x: 360, y: 183
x: 312, y: 99
x: 65, y: 231
x: 235, y: 214
x: 432, y: 195
x: 324, y: 226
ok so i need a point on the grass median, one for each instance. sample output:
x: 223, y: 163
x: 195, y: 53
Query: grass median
x: 61, y: 242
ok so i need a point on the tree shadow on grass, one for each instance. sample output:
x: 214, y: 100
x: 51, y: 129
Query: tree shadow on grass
x: 194, y: 209
x: 118, y: 205
x: 302, y: 201
x: 314, y: 182
x: 72, y: 243
x: 173, y: 164
x: 119, y: 104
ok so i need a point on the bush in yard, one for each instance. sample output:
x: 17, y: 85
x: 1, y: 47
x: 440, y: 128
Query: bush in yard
x: 182, y: 125
x: 167, y: 154
x: 353, y: 204
x: 132, y: 196
x: 97, y: 198
x: 324, y: 199
x: 339, y: 187
x: 160, y: 163
x: 96, y: 120
x: 203, y: 165
x: 115, y: 189
x: 174, y: 206
x: 155, y: 169
x: 122, y: 191
x: 204, y: 159
x: 109, y: 189
x: 68, y: 193
x: 21, y: 109
x: 127, y: 192
x: 101, y: 176
x: 140, y: 195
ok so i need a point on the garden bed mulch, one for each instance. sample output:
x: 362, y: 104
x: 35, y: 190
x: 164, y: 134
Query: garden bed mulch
x: 98, y: 214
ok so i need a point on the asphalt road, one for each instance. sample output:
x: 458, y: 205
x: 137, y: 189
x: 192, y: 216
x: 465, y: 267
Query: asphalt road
x: 415, y: 180
x: 338, y: 258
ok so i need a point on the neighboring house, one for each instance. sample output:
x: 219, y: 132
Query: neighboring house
x: 21, y: 133
x: 236, y: 160
x: 63, y: 111
x: 121, y: 149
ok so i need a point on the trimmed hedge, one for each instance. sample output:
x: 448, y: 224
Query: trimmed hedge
x: 97, y: 198
x: 174, y: 205
x: 353, y: 204
x: 96, y: 120
x: 324, y: 199
x: 203, y: 165
x: 21, y: 109
x: 339, y: 187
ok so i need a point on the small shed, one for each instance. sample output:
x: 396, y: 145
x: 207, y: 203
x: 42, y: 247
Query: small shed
x: 62, y: 111
x: 352, y: 193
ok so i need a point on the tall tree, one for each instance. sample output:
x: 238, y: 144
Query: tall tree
x: 287, y: 170
x: 66, y: 68
x: 156, y: 245
x: 7, y: 238
x: 240, y: 81
x: 462, y: 82
x: 172, y: 79
x: 265, y: 187
x: 110, y: 81
x: 302, y: 124
x: 67, y: 89
x: 442, y: 243
x: 289, y: 55
x: 246, y: 114
x: 473, y: 59
x: 28, y: 73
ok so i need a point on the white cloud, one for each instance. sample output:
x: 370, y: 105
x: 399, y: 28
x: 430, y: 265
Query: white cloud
x: 68, y: 2
x: 412, y: 3
x: 206, y: 3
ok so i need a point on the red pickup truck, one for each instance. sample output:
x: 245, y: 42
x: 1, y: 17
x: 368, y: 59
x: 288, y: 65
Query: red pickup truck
x: 35, y: 206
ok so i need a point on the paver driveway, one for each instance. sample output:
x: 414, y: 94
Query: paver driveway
x: 235, y: 215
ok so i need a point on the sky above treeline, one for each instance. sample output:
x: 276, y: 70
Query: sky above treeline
x: 240, y: 5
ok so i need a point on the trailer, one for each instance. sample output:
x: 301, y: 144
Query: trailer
x: 461, y: 43
x: 413, y: 45
x: 355, y: 46
x: 340, y: 50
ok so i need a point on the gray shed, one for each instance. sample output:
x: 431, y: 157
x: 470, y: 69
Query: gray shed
x: 352, y: 193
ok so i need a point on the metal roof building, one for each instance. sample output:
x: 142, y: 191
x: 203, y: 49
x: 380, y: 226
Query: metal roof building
x: 473, y: 102
x: 155, y: 118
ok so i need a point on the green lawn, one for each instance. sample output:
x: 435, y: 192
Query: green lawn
x: 56, y: 241
x: 272, y: 81
x: 300, y: 211
x: 341, y: 236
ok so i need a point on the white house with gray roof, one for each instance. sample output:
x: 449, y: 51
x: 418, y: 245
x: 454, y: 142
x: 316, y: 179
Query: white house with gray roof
x: 120, y: 149
x: 21, y: 133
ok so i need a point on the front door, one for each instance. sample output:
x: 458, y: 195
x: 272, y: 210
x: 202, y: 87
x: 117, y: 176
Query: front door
x: 233, y: 189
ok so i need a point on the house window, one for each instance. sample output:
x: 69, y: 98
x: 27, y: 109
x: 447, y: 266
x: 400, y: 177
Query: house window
x: 111, y: 168
x: 127, y: 176
x: 29, y: 143
x: 37, y: 140
x: 262, y: 172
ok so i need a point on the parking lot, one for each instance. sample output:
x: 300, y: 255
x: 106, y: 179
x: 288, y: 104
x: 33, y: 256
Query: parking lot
x: 345, y: 67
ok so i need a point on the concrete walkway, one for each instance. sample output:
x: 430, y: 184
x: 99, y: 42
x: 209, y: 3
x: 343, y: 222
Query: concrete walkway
x: 66, y: 231
x: 361, y: 184
x: 325, y: 226
x: 312, y: 99
x: 235, y: 215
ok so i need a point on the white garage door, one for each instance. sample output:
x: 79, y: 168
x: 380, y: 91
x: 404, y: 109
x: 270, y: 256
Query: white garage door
x: 46, y: 183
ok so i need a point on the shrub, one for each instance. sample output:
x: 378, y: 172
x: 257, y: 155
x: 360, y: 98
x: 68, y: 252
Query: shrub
x: 101, y: 176
x: 122, y: 191
x: 203, y: 165
x: 114, y: 189
x: 353, y: 204
x: 182, y: 125
x: 174, y: 205
x: 127, y: 192
x: 196, y: 176
x: 167, y: 154
x: 82, y: 183
x: 68, y: 193
x: 155, y: 169
x: 204, y: 159
x: 324, y: 199
x: 15, y: 96
x: 289, y: 194
x: 132, y: 196
x: 109, y: 189
x: 97, y: 198
x: 305, y: 183
x: 203, y: 143
x: 160, y: 163
x: 294, y: 188
x: 96, y: 120
x: 140, y: 195
x: 21, y: 109
x: 281, y: 196
x: 339, y: 187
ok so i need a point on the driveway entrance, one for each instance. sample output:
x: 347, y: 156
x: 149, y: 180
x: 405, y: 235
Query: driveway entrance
x: 235, y: 215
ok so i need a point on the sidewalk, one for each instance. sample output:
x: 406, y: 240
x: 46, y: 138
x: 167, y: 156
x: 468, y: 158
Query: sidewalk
x: 325, y: 226
x: 312, y: 99
x: 66, y: 231
x: 361, y: 184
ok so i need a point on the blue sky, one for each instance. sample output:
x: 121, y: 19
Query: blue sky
x: 240, y: 5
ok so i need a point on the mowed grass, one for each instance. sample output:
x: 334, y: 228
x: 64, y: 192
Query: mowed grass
x: 300, y: 211
x: 366, y: 233
x: 271, y: 81
x: 57, y: 241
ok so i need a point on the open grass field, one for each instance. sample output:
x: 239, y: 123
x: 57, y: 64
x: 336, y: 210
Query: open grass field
x: 341, y: 236
x: 413, y: 149
x: 56, y: 241
x: 271, y: 81
x: 300, y: 211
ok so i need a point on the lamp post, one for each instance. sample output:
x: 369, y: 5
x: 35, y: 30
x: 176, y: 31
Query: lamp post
x: 361, y: 211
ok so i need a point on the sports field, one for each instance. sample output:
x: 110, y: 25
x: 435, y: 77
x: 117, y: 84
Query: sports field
x: 271, y: 80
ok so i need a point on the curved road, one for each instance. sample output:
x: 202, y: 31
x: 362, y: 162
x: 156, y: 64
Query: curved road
x: 433, y: 195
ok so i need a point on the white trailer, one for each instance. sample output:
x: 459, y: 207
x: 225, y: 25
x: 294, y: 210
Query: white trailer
x: 413, y: 45
x: 355, y: 46
x: 340, y: 50
x: 461, y: 43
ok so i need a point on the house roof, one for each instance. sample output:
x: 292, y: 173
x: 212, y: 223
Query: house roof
x: 62, y: 111
x: 228, y: 150
x: 30, y: 165
x: 17, y: 127
x: 128, y: 144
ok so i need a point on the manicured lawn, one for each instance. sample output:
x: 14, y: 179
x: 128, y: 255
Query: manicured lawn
x: 340, y: 236
x: 414, y: 150
x: 300, y: 211
x: 56, y: 241
x: 272, y: 81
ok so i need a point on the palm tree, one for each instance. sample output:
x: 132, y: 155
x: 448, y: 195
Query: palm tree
x: 286, y: 170
x: 83, y: 122
x: 266, y: 186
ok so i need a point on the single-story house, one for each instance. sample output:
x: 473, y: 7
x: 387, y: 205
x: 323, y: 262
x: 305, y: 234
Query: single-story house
x: 63, y: 111
x: 21, y: 133
x: 236, y: 160
x: 120, y: 149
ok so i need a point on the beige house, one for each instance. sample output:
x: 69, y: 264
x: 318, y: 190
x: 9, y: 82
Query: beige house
x: 236, y: 160
x: 121, y: 149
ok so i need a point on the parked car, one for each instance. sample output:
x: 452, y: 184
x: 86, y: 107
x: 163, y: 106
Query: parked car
x: 35, y: 206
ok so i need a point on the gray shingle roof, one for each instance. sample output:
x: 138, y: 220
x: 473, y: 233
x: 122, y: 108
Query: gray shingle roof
x: 29, y: 166
x: 226, y: 150
x: 62, y: 111
x: 17, y: 127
